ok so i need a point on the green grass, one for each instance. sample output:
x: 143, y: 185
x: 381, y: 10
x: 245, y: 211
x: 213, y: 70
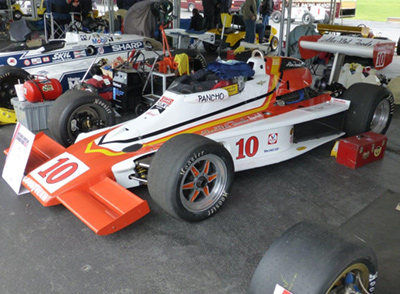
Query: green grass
x: 377, y: 10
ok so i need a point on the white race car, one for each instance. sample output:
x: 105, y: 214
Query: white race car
x: 66, y: 60
x: 188, y: 145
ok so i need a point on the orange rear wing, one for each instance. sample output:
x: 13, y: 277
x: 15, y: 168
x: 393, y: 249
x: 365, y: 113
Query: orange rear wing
x: 381, y: 51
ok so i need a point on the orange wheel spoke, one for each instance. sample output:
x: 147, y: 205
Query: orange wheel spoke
x: 206, y: 167
x: 188, y: 186
x: 194, y: 196
x: 212, y: 178
x: 194, y: 170
x: 206, y: 191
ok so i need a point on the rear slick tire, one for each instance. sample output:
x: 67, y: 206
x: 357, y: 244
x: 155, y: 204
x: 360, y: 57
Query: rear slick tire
x: 315, y: 259
x: 10, y: 76
x: 76, y: 112
x: 371, y: 109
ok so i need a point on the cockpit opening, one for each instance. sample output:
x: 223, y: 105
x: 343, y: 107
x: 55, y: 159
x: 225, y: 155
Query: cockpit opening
x: 216, y: 75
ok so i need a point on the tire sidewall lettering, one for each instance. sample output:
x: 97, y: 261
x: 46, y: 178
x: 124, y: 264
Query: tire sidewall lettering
x: 218, y: 204
x: 189, y: 163
x: 372, y: 282
x: 390, y: 98
x: 103, y: 105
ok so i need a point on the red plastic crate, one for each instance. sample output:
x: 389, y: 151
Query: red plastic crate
x: 359, y: 150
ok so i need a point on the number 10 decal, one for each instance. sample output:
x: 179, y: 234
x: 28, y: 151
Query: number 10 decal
x: 380, y: 60
x: 59, y: 171
x: 248, y: 148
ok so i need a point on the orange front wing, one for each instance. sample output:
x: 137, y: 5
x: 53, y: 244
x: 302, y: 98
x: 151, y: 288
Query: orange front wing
x: 102, y: 204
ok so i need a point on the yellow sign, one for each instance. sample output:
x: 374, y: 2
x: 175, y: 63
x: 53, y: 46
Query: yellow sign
x: 232, y: 89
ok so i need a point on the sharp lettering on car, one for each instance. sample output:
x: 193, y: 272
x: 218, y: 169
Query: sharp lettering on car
x: 127, y: 46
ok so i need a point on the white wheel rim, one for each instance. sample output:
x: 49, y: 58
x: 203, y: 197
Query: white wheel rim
x: 380, y: 117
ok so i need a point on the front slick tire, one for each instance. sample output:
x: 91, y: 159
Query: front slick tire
x: 316, y: 259
x: 76, y: 112
x: 190, y: 177
x: 371, y: 109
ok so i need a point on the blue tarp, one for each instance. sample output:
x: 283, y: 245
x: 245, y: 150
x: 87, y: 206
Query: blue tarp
x: 229, y: 70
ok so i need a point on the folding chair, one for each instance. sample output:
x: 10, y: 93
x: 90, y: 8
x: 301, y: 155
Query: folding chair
x: 59, y: 18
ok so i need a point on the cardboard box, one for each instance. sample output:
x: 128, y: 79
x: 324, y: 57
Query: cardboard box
x: 359, y: 150
x: 107, y: 70
x: 32, y: 115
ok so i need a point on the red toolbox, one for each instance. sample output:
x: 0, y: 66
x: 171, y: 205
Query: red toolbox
x: 361, y: 149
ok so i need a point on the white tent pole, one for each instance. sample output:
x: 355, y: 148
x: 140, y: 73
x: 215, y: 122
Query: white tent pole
x: 110, y: 6
x: 289, y: 21
x: 177, y: 13
x: 281, y: 28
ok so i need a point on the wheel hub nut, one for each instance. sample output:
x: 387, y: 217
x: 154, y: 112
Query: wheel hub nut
x: 201, y: 182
